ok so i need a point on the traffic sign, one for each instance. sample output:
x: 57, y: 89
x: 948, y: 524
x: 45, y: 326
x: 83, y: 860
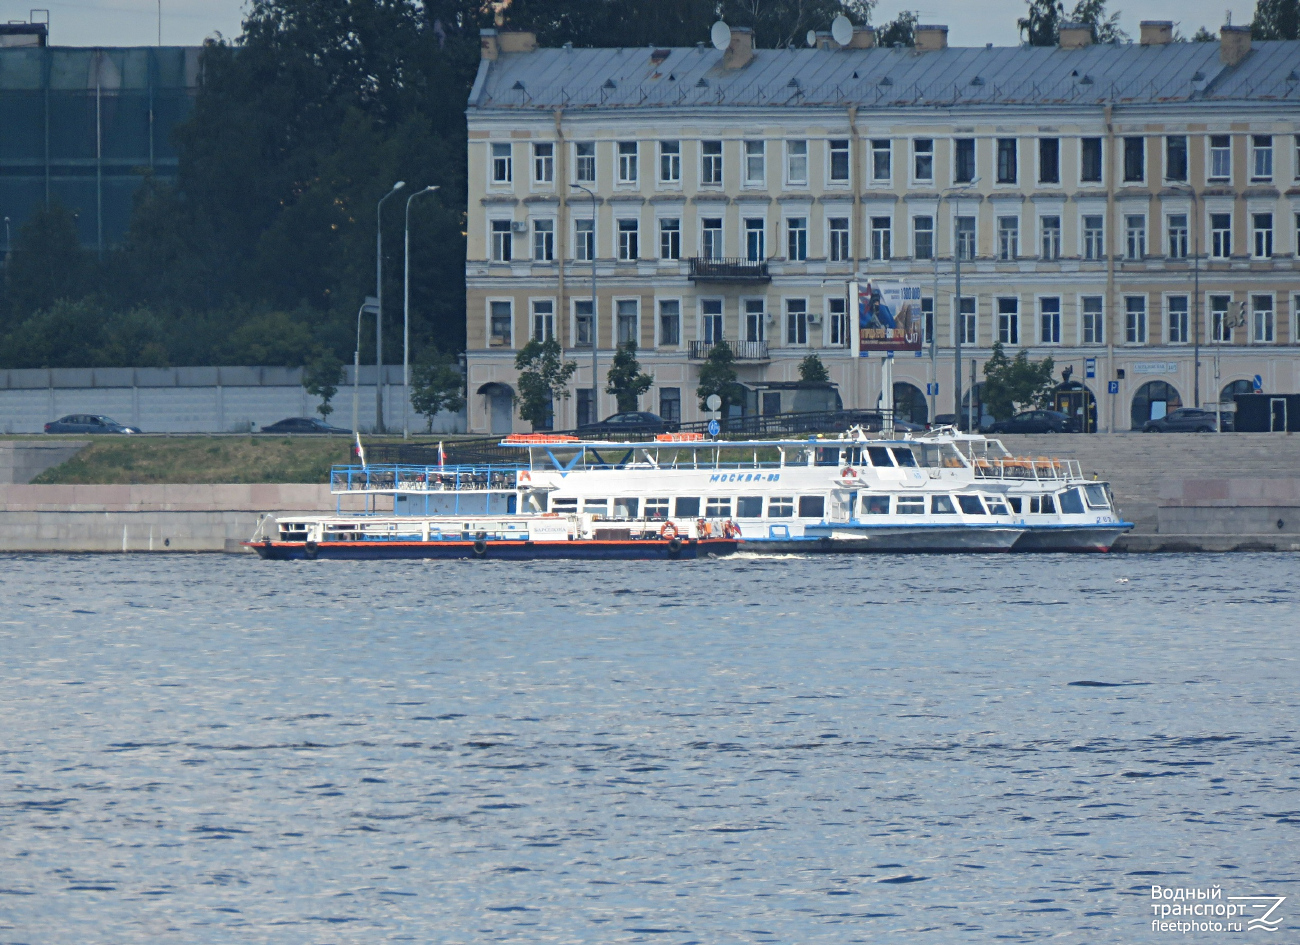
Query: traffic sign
x: 1112, y: 387
x: 714, y: 428
x: 1259, y: 383
x: 713, y: 402
x: 1089, y: 367
x: 931, y: 390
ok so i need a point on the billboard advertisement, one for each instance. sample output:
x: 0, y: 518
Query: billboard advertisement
x: 889, y: 316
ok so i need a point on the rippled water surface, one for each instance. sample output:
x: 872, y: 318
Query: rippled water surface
x: 217, y: 749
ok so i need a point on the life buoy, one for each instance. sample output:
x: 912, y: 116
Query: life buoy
x: 848, y: 472
x: 703, y: 529
x: 674, y: 546
x: 310, y: 549
x: 730, y: 529
x: 668, y: 531
x: 524, y: 477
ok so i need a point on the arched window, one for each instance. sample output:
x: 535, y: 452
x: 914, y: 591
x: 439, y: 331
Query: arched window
x: 1152, y: 401
x: 909, y: 403
x: 1233, y: 388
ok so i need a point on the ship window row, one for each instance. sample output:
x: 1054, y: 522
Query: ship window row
x: 1010, y: 160
x: 659, y: 509
x: 1259, y: 233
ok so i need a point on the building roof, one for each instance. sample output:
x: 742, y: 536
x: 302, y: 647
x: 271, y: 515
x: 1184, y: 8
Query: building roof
x: 1119, y: 74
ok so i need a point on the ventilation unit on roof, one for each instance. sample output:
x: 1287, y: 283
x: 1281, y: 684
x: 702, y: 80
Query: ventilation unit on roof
x: 672, y: 77
x: 659, y: 55
x: 1293, y: 76
x: 610, y: 84
x: 702, y: 84
x: 977, y: 81
x: 518, y: 86
x: 793, y: 83
x: 855, y: 73
x: 1086, y: 80
x: 886, y: 80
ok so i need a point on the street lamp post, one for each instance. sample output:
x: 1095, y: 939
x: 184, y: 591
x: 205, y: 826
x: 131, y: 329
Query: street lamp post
x: 406, y: 317
x: 1194, y: 223
x: 595, y: 375
x: 379, y: 318
x: 371, y: 304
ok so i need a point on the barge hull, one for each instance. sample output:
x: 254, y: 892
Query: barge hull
x: 1070, y: 538
x: 638, y: 550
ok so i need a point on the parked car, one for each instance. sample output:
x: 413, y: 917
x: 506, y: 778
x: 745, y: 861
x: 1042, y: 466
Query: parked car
x: 1183, y: 420
x: 303, y: 425
x: 634, y: 422
x: 1037, y: 421
x: 87, y: 423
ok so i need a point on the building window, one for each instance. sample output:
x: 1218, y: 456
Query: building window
x: 543, y: 240
x: 502, y: 242
x: 627, y: 164
x: 1262, y: 226
x: 923, y: 237
x: 967, y: 323
x: 711, y: 163
x: 881, y: 229
x: 964, y: 237
x: 839, y: 321
x: 586, y: 414
x: 1094, y: 246
x: 626, y: 315
x: 923, y: 160
x: 711, y: 320
x: 1177, y: 318
x: 1050, y: 227
x: 1049, y: 320
x: 755, y: 163
x: 628, y: 239
x: 755, y: 243
x: 1220, y: 332
x: 1220, y: 157
x: 1008, y: 173
x: 796, y: 321
x: 582, y: 323
x: 796, y: 162
x: 543, y: 319
x: 711, y: 237
x: 1049, y: 160
x: 543, y: 163
x: 1261, y: 157
x: 927, y: 318
x: 1009, y: 321
x: 584, y: 240
x: 1261, y: 307
x: 880, y: 164
x: 839, y: 161
x: 670, y: 238
x: 1093, y: 322
x: 1135, y: 235
x: 839, y: 233
x: 585, y: 163
x: 1220, y: 235
x: 755, y: 317
x: 670, y: 162
x: 670, y: 323
x: 670, y: 406
x: 499, y: 324
x: 796, y: 229
x: 1177, y: 229
x: 1090, y: 160
x: 963, y: 160
x: 1176, y: 157
x: 1008, y: 237
x: 1135, y: 160
x: 502, y: 165
x: 1135, y: 319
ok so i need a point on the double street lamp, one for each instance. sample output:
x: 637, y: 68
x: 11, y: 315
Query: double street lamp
x: 406, y: 318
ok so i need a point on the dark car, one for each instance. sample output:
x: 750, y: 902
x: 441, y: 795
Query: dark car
x: 1182, y: 420
x: 632, y: 423
x: 87, y: 423
x: 303, y: 425
x: 1037, y: 421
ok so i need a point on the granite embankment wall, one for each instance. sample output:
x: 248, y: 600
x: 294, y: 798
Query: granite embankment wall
x: 148, y: 518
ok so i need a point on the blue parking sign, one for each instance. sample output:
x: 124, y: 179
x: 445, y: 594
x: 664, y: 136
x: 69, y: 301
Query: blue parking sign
x: 1112, y: 387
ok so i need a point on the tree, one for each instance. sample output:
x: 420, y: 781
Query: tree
x: 717, y: 376
x: 47, y: 263
x: 1203, y: 35
x: 436, y: 385
x: 1042, y: 24
x: 901, y: 31
x: 812, y: 371
x: 321, y: 377
x: 1276, y: 19
x: 625, y: 380
x: 1015, y: 383
x: 543, y: 379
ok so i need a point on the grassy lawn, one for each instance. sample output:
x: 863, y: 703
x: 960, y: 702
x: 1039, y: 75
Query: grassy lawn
x: 124, y: 460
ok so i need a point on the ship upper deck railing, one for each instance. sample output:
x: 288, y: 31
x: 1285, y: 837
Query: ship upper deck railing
x: 391, y: 478
x: 1040, y: 469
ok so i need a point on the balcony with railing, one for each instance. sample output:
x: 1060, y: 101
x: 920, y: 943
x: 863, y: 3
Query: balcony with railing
x: 743, y: 350
x: 710, y: 269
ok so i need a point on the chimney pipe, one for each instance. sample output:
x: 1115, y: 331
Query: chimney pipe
x: 931, y: 38
x: 1075, y: 35
x: 518, y: 41
x: 864, y: 37
x: 741, y: 48
x: 1234, y: 44
x: 488, y: 46
x: 1157, y: 32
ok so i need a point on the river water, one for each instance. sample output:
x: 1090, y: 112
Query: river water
x: 216, y: 749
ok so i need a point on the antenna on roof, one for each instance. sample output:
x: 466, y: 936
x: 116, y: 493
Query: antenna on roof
x: 720, y: 35
x: 811, y: 38
x: 842, y: 30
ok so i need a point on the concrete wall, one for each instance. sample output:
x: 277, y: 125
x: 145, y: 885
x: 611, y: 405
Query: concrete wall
x: 24, y: 460
x: 197, y: 399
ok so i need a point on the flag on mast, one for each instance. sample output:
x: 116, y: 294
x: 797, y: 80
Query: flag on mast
x: 361, y: 452
x: 442, y: 455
